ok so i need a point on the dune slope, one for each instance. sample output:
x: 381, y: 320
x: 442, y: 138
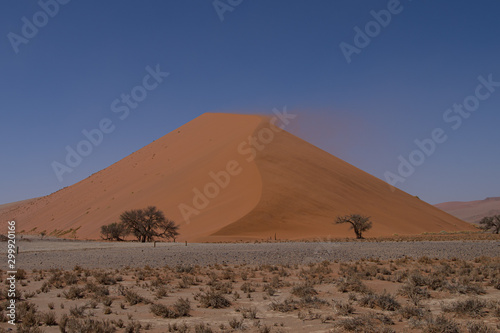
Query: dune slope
x: 226, y: 177
x: 166, y: 174
x: 305, y: 188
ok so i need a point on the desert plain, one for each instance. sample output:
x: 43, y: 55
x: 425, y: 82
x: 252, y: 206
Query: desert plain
x: 355, y: 286
x: 257, y: 250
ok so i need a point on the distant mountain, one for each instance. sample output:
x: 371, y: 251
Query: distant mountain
x: 472, y: 211
x: 228, y: 177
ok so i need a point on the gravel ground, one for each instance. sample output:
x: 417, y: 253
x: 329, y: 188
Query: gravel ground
x: 64, y: 254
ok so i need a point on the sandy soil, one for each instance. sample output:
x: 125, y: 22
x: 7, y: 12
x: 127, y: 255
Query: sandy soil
x: 44, y: 254
x: 370, y: 296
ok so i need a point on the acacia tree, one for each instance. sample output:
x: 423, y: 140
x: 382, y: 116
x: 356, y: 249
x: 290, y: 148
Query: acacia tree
x: 358, y: 222
x: 491, y: 223
x: 114, y: 231
x: 148, y: 223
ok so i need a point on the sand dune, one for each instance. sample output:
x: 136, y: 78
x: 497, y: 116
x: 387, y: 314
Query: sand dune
x: 472, y: 211
x: 232, y: 177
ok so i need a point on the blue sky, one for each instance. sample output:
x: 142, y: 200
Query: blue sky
x: 263, y: 55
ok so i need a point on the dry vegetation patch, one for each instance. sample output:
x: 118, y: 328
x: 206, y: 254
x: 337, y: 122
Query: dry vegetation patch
x: 412, y: 295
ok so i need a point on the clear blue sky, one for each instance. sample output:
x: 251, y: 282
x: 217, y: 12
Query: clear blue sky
x: 263, y: 55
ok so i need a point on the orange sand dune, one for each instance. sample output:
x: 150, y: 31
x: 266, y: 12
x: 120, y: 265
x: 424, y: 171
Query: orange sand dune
x: 226, y: 177
x: 472, y: 211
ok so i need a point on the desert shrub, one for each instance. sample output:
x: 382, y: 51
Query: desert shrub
x: 417, y: 279
x: 106, y: 301
x: 181, y: 328
x: 187, y: 281
x: 411, y: 311
x: 98, y: 291
x: 349, y: 283
x: 27, y: 312
x: 182, y: 306
x: 285, y: 306
x: 276, y: 282
x: 425, y: 260
x: 478, y: 327
x: 316, y: 273
x: 161, y: 292
x: 264, y: 329
x: 441, y: 324
x: 413, y: 292
x: 3, y: 317
x: 184, y: 269
x: 77, y: 311
x: 27, y: 329
x: 213, y: 299
x: 70, y: 278
x: 464, y: 286
x: 104, y: 278
x: 48, y: 318
x: 87, y: 325
x: 92, y: 304
x: 384, y: 301
x: 248, y: 313
x: 435, y: 281
x: 74, y: 293
x: 202, y: 328
x: 247, y: 287
x: 268, y: 289
x: 304, y: 290
x: 163, y: 311
x: 495, y: 282
x: 55, y: 279
x: 228, y: 274
x: 356, y: 324
x: 445, y: 269
x: 133, y: 327
x: 131, y: 297
x: 20, y: 274
x: 311, y: 301
x: 223, y: 287
x: 236, y: 324
x: 343, y: 308
x: 29, y: 294
x: 45, y: 288
x: 471, y: 307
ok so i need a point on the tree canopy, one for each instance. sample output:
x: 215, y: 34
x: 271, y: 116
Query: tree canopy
x: 491, y: 223
x: 148, y: 223
x: 145, y: 224
x: 358, y: 222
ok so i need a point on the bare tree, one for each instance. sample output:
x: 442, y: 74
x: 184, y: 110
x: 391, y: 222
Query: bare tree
x: 168, y: 230
x: 148, y: 223
x: 114, y: 231
x: 358, y: 222
x: 491, y: 223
